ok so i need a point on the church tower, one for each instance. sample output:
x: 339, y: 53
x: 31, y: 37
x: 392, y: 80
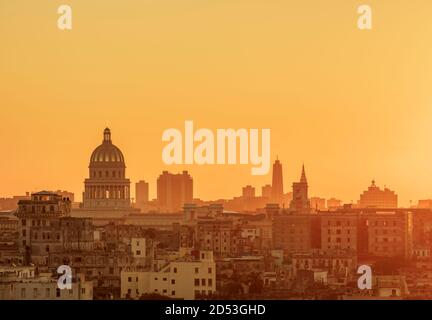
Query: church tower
x: 300, y: 202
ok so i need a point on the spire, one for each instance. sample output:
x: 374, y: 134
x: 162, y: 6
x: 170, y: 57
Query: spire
x: 303, y: 175
x: 107, y: 135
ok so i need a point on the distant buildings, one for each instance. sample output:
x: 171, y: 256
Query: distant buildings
x: 334, y: 204
x: 174, y: 190
x: 248, y: 192
x: 142, y: 195
x: 317, y: 203
x: 22, y: 283
x: 12, y: 203
x: 374, y: 197
x: 266, y: 192
x: 186, y: 278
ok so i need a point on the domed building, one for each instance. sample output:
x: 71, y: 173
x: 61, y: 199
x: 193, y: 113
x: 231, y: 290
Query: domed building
x: 107, y: 187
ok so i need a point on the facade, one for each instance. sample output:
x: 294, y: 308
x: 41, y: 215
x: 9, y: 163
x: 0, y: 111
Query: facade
x: 390, y: 234
x: 187, y: 279
x: 218, y: 235
x: 339, y: 231
x: 107, y: 187
x: 292, y: 233
x: 38, y: 230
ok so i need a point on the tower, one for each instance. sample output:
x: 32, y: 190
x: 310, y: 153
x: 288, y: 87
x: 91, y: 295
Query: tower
x: 300, y: 202
x: 277, y: 183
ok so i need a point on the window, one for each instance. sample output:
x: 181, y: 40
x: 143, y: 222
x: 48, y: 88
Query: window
x: 172, y: 281
x: 58, y: 293
x: 173, y: 293
x: 138, y: 252
x: 209, y: 270
x: 164, y: 279
x: 164, y: 291
x: 196, y: 270
x: 23, y: 222
x: 197, y: 282
x: 175, y: 270
x: 129, y: 279
x: 203, y: 282
x: 210, y: 282
x: 24, y: 233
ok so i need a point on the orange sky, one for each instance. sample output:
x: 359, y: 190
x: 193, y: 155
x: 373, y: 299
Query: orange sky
x: 352, y: 105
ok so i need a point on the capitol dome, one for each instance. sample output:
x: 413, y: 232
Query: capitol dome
x: 107, y: 153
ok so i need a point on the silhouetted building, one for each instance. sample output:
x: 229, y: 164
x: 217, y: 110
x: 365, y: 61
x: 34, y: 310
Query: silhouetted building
x: 141, y: 192
x: 300, y: 202
x: 266, y: 191
x: 174, y: 190
x: 277, y: 183
x: 107, y: 188
x: 374, y: 197
x: 248, y: 192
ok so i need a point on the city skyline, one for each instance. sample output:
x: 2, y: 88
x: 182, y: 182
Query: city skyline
x: 276, y: 175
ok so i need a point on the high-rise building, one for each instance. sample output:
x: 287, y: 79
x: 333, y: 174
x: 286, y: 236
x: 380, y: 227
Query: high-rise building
x: 266, y: 191
x: 374, y: 197
x: 300, y: 202
x: 248, y: 192
x: 277, y: 183
x: 174, y: 190
x: 106, y: 188
x: 141, y: 192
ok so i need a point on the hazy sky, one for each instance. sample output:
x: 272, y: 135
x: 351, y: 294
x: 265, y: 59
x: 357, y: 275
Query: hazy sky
x: 352, y: 105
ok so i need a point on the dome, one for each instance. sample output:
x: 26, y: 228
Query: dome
x: 107, y: 153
